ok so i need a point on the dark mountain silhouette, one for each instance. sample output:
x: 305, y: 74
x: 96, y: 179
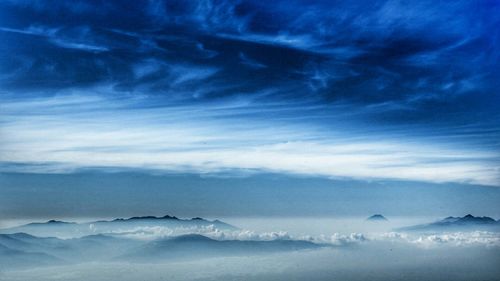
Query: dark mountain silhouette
x: 51, y: 222
x: 468, y: 222
x: 477, y: 220
x: 377, y: 217
x: 71, y: 229
x: 166, y: 217
x: 199, y: 246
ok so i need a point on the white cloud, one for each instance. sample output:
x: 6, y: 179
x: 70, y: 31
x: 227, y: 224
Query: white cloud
x: 84, y: 130
x: 337, y: 239
x: 455, y: 239
x: 472, y: 238
x: 159, y: 232
x: 78, y: 39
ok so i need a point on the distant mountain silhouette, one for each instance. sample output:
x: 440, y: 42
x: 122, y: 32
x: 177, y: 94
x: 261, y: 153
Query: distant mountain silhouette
x: 468, y: 222
x: 199, y: 246
x: 51, y: 222
x: 471, y: 219
x: 16, y: 252
x: 72, y: 229
x: 27, y: 251
x: 377, y: 217
x: 166, y: 217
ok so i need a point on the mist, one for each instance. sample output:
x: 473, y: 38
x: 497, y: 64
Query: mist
x: 170, y: 248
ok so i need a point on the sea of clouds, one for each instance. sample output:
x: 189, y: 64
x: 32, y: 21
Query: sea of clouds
x: 472, y: 238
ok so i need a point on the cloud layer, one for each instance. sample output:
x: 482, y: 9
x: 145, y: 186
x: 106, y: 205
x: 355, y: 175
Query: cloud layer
x: 375, y: 89
x: 107, y: 133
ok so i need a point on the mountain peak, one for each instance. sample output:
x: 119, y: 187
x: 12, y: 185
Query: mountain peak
x: 56, y: 222
x: 473, y: 219
x: 170, y: 217
x: 377, y: 217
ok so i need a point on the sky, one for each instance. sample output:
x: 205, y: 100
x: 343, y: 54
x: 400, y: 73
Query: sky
x: 346, y: 93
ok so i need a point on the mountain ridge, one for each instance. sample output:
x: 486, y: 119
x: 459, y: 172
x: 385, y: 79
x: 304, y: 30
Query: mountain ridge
x: 466, y: 222
x: 64, y: 229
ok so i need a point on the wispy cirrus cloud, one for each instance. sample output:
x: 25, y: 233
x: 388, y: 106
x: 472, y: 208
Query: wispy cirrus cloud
x: 53, y: 36
x: 73, y: 132
x: 372, y: 89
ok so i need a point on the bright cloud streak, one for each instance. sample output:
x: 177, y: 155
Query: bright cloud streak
x: 70, y: 132
x: 364, y: 90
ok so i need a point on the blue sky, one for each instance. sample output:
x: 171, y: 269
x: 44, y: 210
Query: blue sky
x: 363, y: 90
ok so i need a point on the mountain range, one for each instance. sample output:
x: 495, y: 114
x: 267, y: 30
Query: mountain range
x: 21, y: 250
x: 465, y: 223
x: 71, y: 229
x: 199, y: 246
x: 58, y: 242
